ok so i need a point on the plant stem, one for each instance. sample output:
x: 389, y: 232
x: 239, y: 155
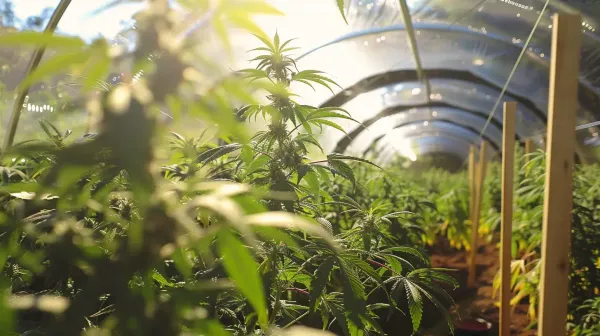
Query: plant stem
x: 298, y: 290
x: 11, y: 128
x: 296, y: 319
x: 382, y: 265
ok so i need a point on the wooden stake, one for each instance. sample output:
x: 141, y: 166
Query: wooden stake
x: 472, y: 167
x: 528, y: 148
x: 508, y: 165
x: 562, y: 107
x: 476, y: 213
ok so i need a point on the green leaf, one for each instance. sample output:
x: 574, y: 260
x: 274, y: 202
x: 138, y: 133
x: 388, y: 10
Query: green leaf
x: 254, y: 73
x: 276, y: 41
x: 330, y: 114
x: 340, y: 5
x: 406, y: 250
x: 268, y: 43
x: 259, y: 162
x: 325, y: 224
x: 182, y: 263
x: 57, y: 64
x: 394, y: 264
x: 415, y: 304
x: 217, y: 152
x: 40, y: 39
x: 211, y: 328
x: 338, y: 156
x: 342, y: 169
x: 312, y: 182
x: 328, y: 123
x: 289, y: 221
x: 7, y: 315
x: 241, y: 268
x: 161, y: 279
x: 319, y: 282
x: 277, y: 235
x: 302, y: 170
x: 354, y: 296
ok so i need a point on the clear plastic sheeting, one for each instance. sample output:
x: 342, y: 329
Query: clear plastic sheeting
x: 510, y: 20
x: 424, y: 116
x: 421, y: 144
x: 467, y: 49
x: 401, y: 138
x: 480, y: 38
x: 377, y: 53
x: 455, y: 99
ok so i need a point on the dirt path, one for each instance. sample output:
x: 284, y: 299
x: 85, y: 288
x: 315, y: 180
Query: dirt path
x: 478, y: 302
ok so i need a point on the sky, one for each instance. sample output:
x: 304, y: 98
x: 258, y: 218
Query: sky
x: 79, y: 18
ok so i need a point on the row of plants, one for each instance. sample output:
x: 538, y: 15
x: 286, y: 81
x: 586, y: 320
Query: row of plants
x: 584, y: 291
x: 138, y: 231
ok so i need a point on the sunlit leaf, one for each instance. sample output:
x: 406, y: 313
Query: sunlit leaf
x: 241, y: 267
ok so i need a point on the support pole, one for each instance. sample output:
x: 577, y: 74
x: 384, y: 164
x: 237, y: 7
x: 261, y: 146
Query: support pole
x: 562, y: 107
x: 508, y: 165
x: 528, y: 149
x: 472, y: 174
x: 476, y: 214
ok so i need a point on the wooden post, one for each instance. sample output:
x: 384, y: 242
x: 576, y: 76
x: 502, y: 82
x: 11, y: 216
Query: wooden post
x: 472, y: 168
x: 528, y: 149
x: 476, y: 213
x: 562, y: 107
x: 508, y: 165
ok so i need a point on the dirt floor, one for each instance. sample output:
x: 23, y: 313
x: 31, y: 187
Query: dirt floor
x: 479, y: 303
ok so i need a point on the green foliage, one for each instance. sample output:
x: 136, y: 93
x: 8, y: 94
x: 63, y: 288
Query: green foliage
x: 589, y: 324
x: 585, y: 271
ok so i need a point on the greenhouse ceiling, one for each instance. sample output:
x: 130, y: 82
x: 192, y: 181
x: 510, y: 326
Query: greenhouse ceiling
x: 435, y: 84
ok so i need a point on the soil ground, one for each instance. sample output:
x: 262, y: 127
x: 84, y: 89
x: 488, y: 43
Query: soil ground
x: 478, y: 303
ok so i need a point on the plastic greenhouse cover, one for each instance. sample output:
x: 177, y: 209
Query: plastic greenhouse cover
x: 479, y: 37
x: 403, y: 139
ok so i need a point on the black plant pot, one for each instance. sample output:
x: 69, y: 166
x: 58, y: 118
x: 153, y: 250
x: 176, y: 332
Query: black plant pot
x: 473, y: 327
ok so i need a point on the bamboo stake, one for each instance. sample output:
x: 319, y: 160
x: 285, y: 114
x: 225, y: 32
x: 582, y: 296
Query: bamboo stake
x: 508, y: 165
x: 476, y: 214
x: 562, y: 107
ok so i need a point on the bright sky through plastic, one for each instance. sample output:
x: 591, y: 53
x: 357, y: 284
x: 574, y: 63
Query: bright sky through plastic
x: 79, y: 19
x: 326, y: 24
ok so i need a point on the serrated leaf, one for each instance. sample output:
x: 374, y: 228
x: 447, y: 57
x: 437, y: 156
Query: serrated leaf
x: 337, y: 156
x: 340, y: 317
x: 343, y: 169
x: 325, y: 224
x: 354, y: 296
x: 394, y: 264
x: 329, y: 123
x: 415, y: 304
x: 286, y: 220
x: 241, y: 268
x: 217, y: 152
x: 319, y: 282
